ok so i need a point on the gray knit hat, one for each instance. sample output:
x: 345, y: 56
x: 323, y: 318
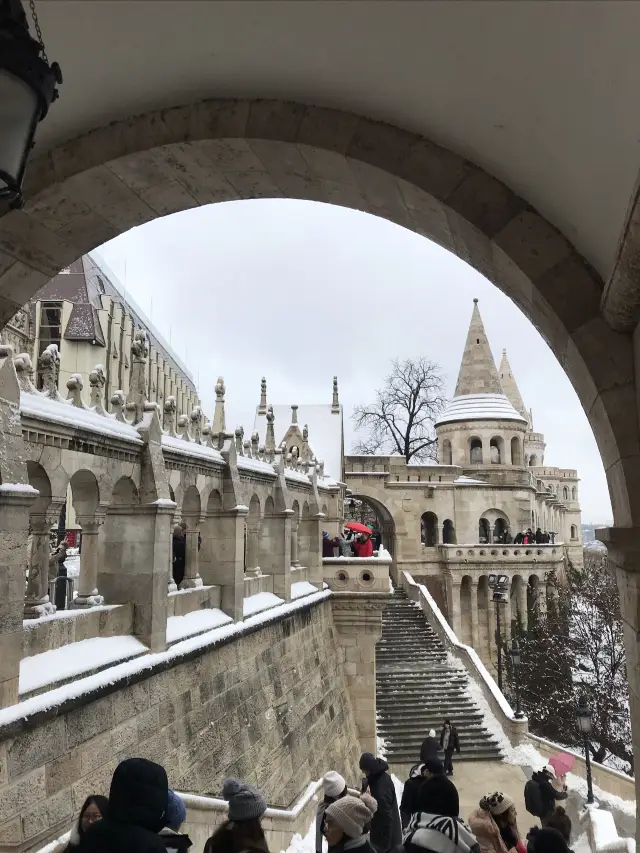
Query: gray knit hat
x: 352, y: 813
x: 245, y: 801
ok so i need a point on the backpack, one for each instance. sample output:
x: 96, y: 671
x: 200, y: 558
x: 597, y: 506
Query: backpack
x: 533, y: 799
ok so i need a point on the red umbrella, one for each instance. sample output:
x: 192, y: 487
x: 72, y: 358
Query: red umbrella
x: 358, y: 528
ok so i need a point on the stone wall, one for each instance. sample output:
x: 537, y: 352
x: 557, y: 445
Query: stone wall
x: 270, y: 706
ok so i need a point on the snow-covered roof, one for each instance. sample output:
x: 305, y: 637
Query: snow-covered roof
x: 468, y: 481
x: 325, y: 432
x: 480, y: 407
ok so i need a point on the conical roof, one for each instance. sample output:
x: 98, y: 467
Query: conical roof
x: 478, y: 374
x: 510, y: 386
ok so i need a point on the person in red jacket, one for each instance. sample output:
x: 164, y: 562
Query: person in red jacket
x: 363, y: 546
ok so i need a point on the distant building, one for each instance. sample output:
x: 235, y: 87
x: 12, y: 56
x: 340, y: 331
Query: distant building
x: 85, y: 312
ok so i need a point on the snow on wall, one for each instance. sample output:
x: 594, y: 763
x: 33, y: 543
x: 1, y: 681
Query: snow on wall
x: 41, y: 407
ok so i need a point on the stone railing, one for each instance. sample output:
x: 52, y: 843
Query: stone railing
x: 494, y: 553
x: 358, y: 574
x: 515, y: 729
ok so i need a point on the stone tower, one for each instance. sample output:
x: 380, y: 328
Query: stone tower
x: 478, y: 374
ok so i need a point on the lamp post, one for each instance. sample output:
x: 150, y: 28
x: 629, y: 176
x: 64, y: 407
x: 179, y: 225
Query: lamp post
x: 583, y: 713
x: 499, y: 584
x: 27, y: 88
x: 514, y: 651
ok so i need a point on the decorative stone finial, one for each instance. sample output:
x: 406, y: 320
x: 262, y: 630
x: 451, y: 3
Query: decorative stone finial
x: 97, y: 382
x: 24, y: 371
x: 219, y: 424
x: 246, y: 446
x: 117, y: 405
x: 197, y: 421
x: 262, y: 408
x: 255, y: 442
x: 294, y: 414
x: 304, y: 450
x: 138, y: 388
x: 239, y: 434
x: 475, y: 301
x: 335, y: 404
x: 49, y: 366
x: 75, y: 384
x: 169, y: 420
x: 270, y: 440
x: 183, y: 428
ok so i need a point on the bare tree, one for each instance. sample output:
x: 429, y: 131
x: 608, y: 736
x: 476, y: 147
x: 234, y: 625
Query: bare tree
x: 402, y: 417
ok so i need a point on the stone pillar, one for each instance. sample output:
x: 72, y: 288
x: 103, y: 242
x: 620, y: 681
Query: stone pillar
x: 358, y: 621
x: 507, y: 617
x: 14, y: 527
x: 295, y: 562
x: 521, y: 595
x: 253, y: 548
x: 37, y: 601
x: 453, y: 604
x: 228, y: 559
x: 88, y: 582
x: 192, y: 577
x: 486, y: 451
x: 542, y: 597
x: 475, y: 637
x: 623, y: 546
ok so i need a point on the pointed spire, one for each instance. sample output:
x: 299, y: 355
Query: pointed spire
x: 262, y: 408
x: 478, y: 374
x: 294, y: 414
x: 510, y: 386
x: 335, y: 406
x: 219, y: 425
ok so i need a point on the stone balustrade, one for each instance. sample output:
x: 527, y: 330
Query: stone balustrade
x: 495, y: 553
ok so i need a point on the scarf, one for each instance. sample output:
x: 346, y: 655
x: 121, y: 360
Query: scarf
x: 440, y: 834
x: 446, y: 736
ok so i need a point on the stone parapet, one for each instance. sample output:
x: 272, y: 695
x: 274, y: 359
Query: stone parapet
x: 491, y: 554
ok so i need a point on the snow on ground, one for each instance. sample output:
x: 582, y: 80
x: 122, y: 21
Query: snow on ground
x: 259, y: 602
x: 179, y: 627
x: 75, y: 659
x: 301, y: 588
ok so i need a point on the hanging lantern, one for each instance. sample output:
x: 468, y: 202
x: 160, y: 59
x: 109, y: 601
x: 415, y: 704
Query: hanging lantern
x: 27, y: 88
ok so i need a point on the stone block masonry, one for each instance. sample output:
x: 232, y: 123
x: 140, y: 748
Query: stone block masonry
x: 271, y: 707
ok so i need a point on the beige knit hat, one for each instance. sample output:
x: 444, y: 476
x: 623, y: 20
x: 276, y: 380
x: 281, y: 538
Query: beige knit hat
x: 497, y: 803
x: 352, y: 813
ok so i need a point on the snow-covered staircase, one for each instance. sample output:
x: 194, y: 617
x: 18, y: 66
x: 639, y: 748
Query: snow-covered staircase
x: 417, y: 686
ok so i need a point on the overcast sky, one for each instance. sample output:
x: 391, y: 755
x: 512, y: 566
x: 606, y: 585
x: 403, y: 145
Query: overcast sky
x: 301, y: 291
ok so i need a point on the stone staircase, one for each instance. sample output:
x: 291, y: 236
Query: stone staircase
x: 417, y: 687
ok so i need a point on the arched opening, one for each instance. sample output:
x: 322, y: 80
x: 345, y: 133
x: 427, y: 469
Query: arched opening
x: 496, y: 449
x: 41, y: 568
x: 574, y: 494
x: 212, y: 531
x: 465, y: 610
x: 516, y: 451
x: 252, y: 538
x: 533, y: 601
x: 484, y: 619
x: 574, y: 531
x: 565, y: 493
x: 518, y: 604
x: 484, y: 531
x: 122, y: 535
x: 500, y: 530
x: 446, y: 452
x: 376, y: 516
x: 533, y: 460
x: 475, y: 451
x: 85, y: 497
x: 429, y: 529
x: 448, y: 532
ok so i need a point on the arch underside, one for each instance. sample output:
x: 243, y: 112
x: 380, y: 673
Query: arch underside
x: 99, y: 185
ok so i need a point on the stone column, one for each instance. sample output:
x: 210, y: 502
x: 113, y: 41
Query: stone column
x: 507, y: 617
x: 228, y: 558
x: 475, y: 637
x: 192, y: 577
x: 88, y: 582
x: 521, y: 595
x: 253, y: 548
x: 14, y: 527
x: 358, y: 622
x: 486, y: 451
x: 295, y: 562
x: 37, y: 601
x: 542, y: 597
x: 453, y: 604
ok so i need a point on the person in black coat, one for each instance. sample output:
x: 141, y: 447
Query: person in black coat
x: 430, y: 747
x: 425, y: 790
x: 548, y: 794
x: 450, y: 743
x: 138, y: 801
x: 386, y: 831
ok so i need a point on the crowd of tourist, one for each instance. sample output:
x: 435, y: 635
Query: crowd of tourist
x: 143, y: 815
x: 525, y: 537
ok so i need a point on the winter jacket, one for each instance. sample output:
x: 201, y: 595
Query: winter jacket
x: 548, y: 794
x: 429, y: 749
x: 363, y: 549
x: 454, y: 741
x: 409, y: 802
x: 327, y: 546
x: 137, y: 806
x: 386, y: 831
x: 487, y: 832
x: 345, y: 547
x: 174, y: 842
x: 355, y: 845
x: 439, y: 834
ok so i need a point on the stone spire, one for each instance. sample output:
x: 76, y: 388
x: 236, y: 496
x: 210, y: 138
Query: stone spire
x: 219, y: 425
x: 262, y: 408
x: 478, y: 374
x: 335, y: 405
x: 510, y: 386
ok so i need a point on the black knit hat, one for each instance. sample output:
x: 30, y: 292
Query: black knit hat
x: 546, y: 840
x: 438, y: 795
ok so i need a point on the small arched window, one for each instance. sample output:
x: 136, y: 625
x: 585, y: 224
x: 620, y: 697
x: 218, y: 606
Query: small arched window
x: 516, y: 451
x: 533, y: 461
x: 574, y: 531
x: 446, y: 452
x: 574, y: 494
x: 475, y: 451
x: 565, y: 494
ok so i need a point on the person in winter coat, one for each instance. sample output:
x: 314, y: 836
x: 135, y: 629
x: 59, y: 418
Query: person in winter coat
x: 344, y: 543
x: 242, y: 832
x: 549, y: 795
x: 328, y: 544
x: 363, y: 546
x: 93, y: 809
x: 174, y: 840
x: 449, y: 742
x: 494, y: 825
x: 430, y: 746
x: 138, y: 801
x: 346, y: 821
x: 428, y: 790
x: 546, y: 840
x: 334, y: 787
x: 386, y: 831
x: 440, y: 830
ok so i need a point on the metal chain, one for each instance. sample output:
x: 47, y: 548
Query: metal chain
x: 34, y: 15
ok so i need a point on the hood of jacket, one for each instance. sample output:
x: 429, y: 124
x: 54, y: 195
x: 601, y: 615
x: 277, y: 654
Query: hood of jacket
x: 440, y: 834
x: 139, y: 794
x: 540, y: 776
x: 416, y: 772
x: 372, y: 766
x: 487, y: 831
